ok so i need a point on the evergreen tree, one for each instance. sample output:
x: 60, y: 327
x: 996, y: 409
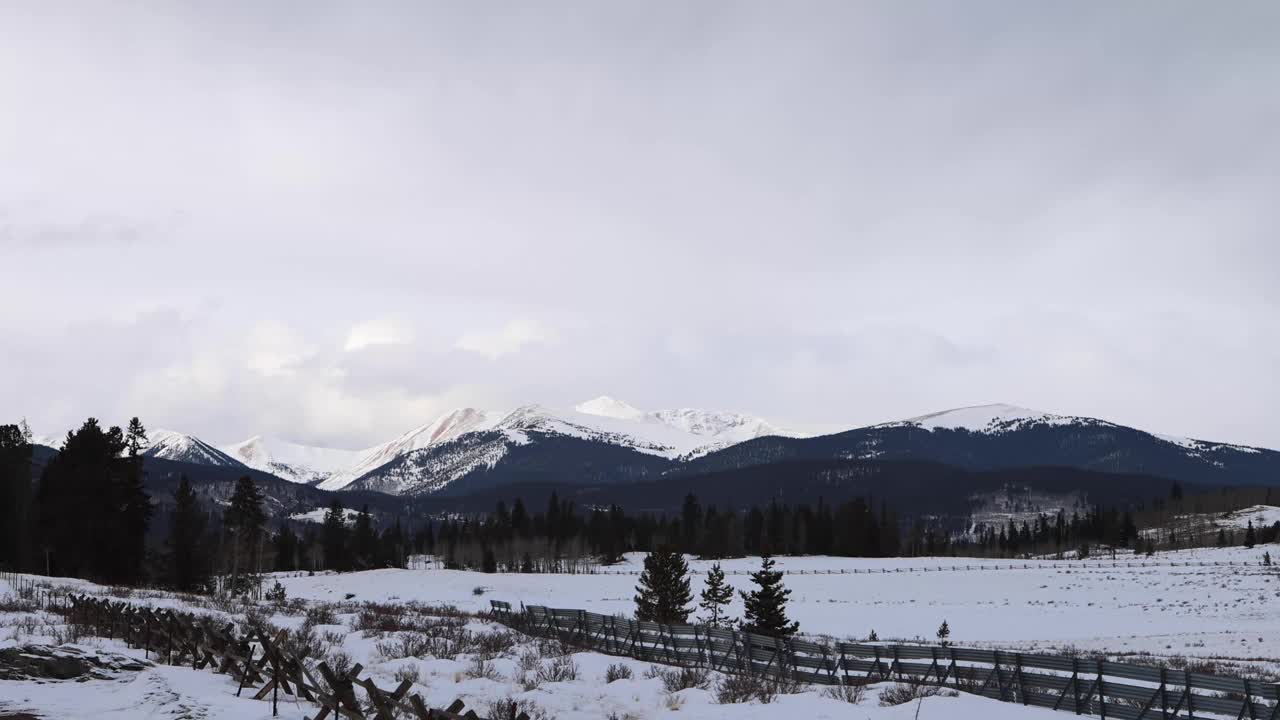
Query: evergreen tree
x: 134, y: 502
x: 93, y: 511
x: 188, y: 562
x: 333, y: 537
x: 1250, y: 538
x: 663, y: 594
x: 490, y: 562
x: 766, y: 606
x: 944, y: 634
x: 15, y: 496
x: 364, y: 540
x: 286, y: 545
x: 716, y: 596
x: 244, y: 520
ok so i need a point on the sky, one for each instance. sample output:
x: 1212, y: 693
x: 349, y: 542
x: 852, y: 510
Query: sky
x: 331, y: 222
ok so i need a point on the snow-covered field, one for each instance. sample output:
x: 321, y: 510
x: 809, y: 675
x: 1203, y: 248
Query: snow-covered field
x: 1212, y: 611
x: 1203, y: 612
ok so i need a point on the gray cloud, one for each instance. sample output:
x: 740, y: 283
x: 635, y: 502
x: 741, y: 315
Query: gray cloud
x: 828, y: 214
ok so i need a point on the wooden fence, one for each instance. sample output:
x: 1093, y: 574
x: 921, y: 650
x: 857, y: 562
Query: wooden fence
x: 256, y: 661
x: 1085, y: 686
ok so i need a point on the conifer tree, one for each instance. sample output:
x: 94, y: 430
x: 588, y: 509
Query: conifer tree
x: 663, y: 594
x: 333, y: 536
x: 244, y: 519
x: 715, y: 597
x: 766, y: 606
x: 188, y: 564
x: 15, y: 496
x: 944, y: 634
x: 364, y: 540
x: 1250, y: 538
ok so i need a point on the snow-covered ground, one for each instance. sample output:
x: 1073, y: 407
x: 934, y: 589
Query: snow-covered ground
x: 1210, y: 611
x: 181, y: 692
x: 1215, y: 611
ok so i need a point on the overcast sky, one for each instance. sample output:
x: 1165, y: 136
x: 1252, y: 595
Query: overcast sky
x: 330, y: 222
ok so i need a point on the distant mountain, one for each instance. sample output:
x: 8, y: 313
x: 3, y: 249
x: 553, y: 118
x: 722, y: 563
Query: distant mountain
x: 179, y: 447
x: 293, y: 462
x: 601, y: 440
x: 607, y: 441
x: 991, y: 437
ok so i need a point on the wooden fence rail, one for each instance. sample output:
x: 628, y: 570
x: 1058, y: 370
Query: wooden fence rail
x: 256, y: 661
x: 1085, y: 686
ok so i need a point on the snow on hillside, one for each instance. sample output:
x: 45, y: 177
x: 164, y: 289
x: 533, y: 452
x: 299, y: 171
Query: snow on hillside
x: 995, y: 418
x: 317, y: 516
x: 443, y: 429
x: 1198, y: 611
x: 179, y: 447
x: 1260, y: 515
x: 293, y: 462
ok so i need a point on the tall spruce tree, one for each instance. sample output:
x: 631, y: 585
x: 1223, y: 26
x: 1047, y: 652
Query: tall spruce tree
x: 1250, y: 537
x: 244, y: 520
x: 716, y: 596
x: 93, y: 511
x: 364, y: 540
x: 766, y: 606
x: 333, y: 537
x: 663, y: 594
x: 15, y: 496
x: 188, y: 561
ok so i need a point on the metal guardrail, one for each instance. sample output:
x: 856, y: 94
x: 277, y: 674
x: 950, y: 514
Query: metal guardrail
x: 1085, y: 686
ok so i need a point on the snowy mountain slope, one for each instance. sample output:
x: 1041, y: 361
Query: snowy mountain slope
x: 991, y: 419
x: 180, y: 447
x: 447, y: 427
x: 293, y: 462
x: 1005, y: 436
x: 603, y: 439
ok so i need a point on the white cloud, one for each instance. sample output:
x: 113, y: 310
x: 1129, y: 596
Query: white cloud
x: 510, y: 339
x: 378, y: 332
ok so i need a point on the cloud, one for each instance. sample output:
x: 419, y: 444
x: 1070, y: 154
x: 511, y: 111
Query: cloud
x: 378, y: 332
x: 512, y: 338
x: 337, y: 214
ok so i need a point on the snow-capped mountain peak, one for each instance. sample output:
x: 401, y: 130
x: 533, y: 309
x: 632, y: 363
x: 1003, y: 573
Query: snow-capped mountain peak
x: 180, y: 447
x: 605, y: 406
x: 994, y: 418
x: 443, y: 429
x: 291, y: 461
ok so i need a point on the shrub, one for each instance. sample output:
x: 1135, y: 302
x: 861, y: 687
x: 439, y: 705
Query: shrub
x: 744, y: 688
x: 482, y: 669
x: 478, y: 590
x: 617, y: 671
x: 510, y: 708
x: 900, y: 693
x: 677, y: 679
x: 851, y: 693
x: 560, y: 669
x: 302, y: 642
x: 321, y: 615
x: 408, y: 672
x: 493, y: 643
x: 277, y: 594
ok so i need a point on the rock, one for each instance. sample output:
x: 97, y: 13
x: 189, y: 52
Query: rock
x: 41, y: 662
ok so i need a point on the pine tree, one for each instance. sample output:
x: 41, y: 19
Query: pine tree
x: 188, y: 564
x: 489, y: 561
x: 1250, y: 538
x: 944, y: 634
x: 663, y: 595
x: 333, y: 536
x: 364, y: 540
x: 715, y: 597
x: 93, y: 512
x: 244, y: 519
x: 15, y: 496
x: 766, y: 606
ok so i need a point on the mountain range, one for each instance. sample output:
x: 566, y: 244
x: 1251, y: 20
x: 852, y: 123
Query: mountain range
x: 606, y: 441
